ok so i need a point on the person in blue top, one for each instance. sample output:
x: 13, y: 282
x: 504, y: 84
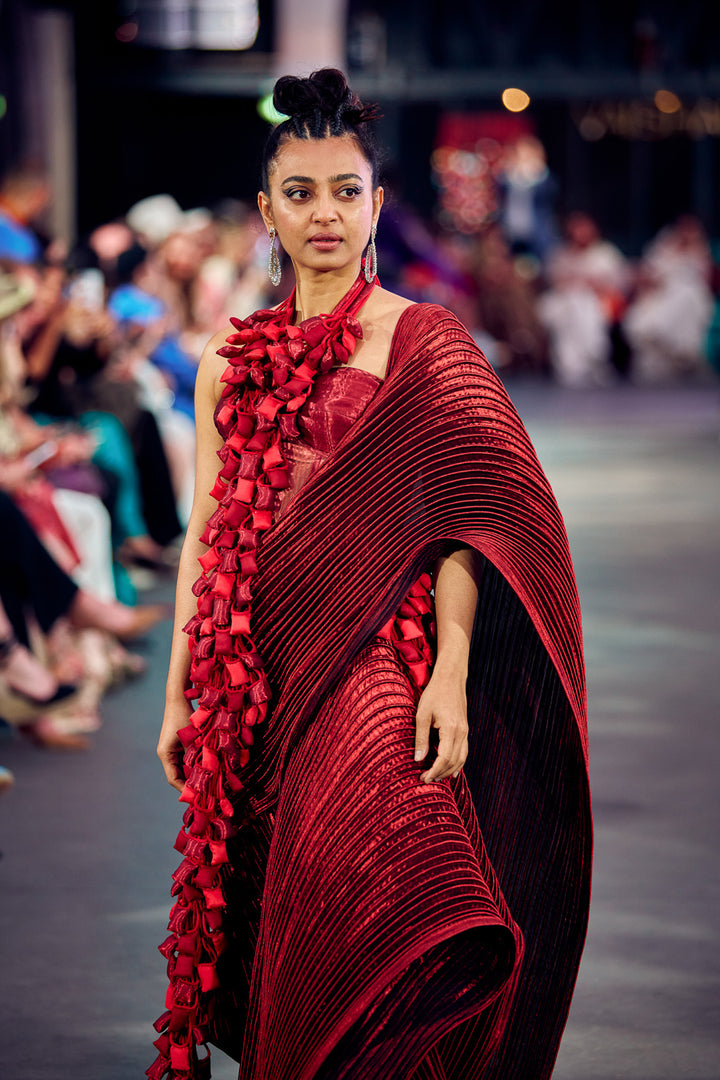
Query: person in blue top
x: 24, y: 194
x: 133, y: 306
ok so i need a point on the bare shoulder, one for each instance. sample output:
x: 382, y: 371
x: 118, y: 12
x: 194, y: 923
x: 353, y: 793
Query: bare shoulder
x: 216, y: 342
x: 379, y: 318
x: 385, y: 308
x: 212, y: 366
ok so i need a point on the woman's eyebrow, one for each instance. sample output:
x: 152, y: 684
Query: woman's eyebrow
x: 333, y: 179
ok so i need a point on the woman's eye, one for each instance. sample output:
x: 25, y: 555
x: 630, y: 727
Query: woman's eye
x: 351, y: 192
x: 297, y: 194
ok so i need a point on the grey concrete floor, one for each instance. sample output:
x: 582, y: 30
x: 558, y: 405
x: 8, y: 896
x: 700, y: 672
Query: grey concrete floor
x: 86, y: 838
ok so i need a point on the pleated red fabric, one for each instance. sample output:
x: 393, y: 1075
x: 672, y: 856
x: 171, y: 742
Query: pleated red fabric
x: 335, y: 917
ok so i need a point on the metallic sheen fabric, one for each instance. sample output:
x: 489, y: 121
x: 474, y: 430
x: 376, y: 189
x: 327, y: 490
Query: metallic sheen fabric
x: 337, y: 400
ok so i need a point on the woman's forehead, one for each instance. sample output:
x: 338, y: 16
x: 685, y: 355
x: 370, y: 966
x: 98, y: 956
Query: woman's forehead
x: 320, y: 159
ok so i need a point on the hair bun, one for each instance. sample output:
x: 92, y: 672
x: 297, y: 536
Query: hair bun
x: 325, y: 91
x: 319, y: 107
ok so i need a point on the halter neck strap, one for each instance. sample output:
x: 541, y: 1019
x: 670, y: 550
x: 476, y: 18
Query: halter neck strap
x: 350, y: 303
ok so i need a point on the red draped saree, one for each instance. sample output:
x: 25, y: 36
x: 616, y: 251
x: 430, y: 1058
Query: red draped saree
x: 335, y: 918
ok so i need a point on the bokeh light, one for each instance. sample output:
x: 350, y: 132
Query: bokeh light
x: 127, y: 32
x: 3, y: 105
x: 466, y: 186
x: 514, y: 99
x: 592, y: 128
x: 667, y: 102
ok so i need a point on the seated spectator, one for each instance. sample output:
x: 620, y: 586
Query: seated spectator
x: 107, y: 242
x: 47, y: 472
x: 507, y: 305
x: 155, y: 293
x: 35, y: 591
x: 69, y: 355
x: 27, y: 687
x: 232, y: 280
x: 157, y: 364
x: 153, y: 219
x: 24, y: 194
x: 667, y: 323
x: 588, y: 279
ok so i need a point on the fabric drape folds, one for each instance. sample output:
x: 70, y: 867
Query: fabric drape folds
x: 378, y: 927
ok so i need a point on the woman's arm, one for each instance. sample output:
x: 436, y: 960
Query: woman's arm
x: 443, y: 703
x: 177, y: 709
x: 39, y: 355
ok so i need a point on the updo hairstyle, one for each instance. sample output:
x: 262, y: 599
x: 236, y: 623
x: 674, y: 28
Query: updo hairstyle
x: 320, y: 107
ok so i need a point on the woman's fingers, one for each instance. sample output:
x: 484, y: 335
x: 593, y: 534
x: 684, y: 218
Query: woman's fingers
x: 452, y: 751
x: 423, y: 719
x: 170, y: 749
x: 171, y: 758
x: 464, y: 749
x: 174, y: 775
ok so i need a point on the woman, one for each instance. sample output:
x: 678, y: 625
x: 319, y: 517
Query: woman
x: 346, y: 907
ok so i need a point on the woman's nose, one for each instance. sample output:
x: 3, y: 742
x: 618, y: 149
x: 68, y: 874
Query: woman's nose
x: 325, y: 209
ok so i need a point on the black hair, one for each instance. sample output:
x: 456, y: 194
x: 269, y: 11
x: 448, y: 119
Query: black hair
x: 128, y: 262
x: 320, y: 107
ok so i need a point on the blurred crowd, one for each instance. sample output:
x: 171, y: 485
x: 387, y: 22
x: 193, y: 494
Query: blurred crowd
x: 558, y: 297
x: 99, y: 348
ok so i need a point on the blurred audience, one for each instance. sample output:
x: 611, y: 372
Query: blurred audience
x: 74, y: 634
x: 233, y: 276
x: 507, y: 304
x: 98, y: 357
x: 668, y: 320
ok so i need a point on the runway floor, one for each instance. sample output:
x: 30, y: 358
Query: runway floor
x: 87, y: 838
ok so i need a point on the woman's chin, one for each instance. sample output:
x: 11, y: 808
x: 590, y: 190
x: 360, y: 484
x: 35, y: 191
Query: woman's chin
x: 323, y: 262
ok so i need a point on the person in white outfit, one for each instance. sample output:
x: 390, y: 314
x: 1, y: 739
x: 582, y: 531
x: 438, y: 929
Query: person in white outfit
x: 667, y: 323
x: 588, y: 278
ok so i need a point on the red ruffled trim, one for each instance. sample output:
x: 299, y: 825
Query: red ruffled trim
x: 412, y: 631
x: 271, y: 370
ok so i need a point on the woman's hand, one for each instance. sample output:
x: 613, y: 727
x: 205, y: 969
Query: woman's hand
x: 169, y: 749
x: 75, y: 447
x: 443, y: 705
x: 16, y: 474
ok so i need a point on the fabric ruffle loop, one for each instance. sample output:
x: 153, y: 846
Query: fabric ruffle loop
x: 411, y: 629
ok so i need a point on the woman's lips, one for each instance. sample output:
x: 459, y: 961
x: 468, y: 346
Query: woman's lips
x: 325, y: 243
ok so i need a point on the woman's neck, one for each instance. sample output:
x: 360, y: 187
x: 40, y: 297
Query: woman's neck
x: 318, y: 293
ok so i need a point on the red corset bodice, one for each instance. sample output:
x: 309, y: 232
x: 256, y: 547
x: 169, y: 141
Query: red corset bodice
x: 337, y: 400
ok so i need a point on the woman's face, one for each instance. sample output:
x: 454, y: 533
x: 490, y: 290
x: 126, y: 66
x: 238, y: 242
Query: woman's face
x: 321, y: 202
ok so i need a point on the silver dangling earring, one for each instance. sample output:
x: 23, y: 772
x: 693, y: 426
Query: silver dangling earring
x: 274, y: 265
x: 371, y: 258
